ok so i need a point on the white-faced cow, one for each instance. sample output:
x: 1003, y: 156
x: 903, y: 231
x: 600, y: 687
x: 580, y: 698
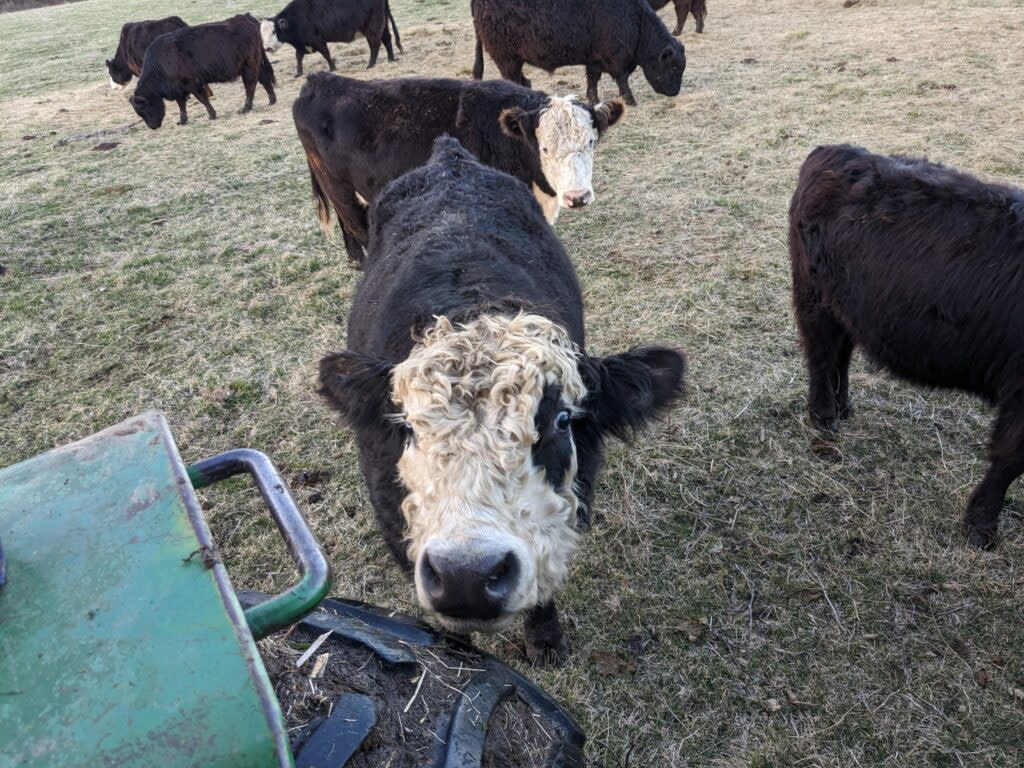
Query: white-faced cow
x: 360, y: 135
x: 309, y: 25
x: 131, y: 47
x: 183, y: 63
x: 923, y: 268
x: 479, y: 413
x: 613, y: 36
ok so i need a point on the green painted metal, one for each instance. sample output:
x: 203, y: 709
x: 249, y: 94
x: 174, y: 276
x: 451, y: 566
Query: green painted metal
x: 120, y: 642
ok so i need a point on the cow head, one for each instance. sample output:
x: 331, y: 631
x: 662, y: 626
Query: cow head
x: 269, y: 32
x: 150, y: 109
x: 488, y: 417
x: 563, y: 134
x: 664, y: 67
x: 119, y: 73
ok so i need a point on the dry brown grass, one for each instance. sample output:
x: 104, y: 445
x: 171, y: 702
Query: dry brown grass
x: 740, y: 602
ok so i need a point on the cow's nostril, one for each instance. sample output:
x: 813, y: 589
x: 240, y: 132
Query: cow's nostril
x: 432, y: 582
x: 502, y: 578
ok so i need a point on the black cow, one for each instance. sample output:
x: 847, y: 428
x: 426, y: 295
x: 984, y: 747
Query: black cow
x: 183, y: 63
x: 360, y: 135
x: 698, y: 8
x: 309, y: 25
x: 131, y: 47
x: 922, y: 267
x: 479, y: 414
x: 613, y: 36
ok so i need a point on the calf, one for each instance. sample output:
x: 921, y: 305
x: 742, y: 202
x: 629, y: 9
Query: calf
x: 920, y: 266
x: 613, y: 36
x: 131, y: 47
x: 309, y: 25
x: 698, y: 8
x: 479, y: 414
x: 183, y: 63
x: 360, y: 135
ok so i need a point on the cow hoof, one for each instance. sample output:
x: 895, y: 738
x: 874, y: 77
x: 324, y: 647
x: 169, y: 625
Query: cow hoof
x: 553, y: 653
x: 629, y: 101
x: 982, y: 538
x: 677, y: 31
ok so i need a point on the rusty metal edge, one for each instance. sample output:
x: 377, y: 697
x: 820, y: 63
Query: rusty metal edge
x: 258, y: 674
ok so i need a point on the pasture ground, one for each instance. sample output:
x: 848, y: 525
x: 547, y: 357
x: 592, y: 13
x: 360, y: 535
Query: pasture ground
x: 741, y: 601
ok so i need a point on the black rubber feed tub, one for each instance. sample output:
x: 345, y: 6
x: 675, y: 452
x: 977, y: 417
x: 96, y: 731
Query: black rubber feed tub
x: 381, y: 690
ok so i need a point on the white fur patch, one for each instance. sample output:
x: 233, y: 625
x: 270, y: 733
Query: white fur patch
x: 470, y: 393
x: 115, y: 86
x: 548, y: 204
x: 566, y: 137
x: 269, y: 35
x: 362, y: 200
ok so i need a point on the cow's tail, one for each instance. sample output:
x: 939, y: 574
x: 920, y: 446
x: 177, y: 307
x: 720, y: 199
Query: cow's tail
x: 394, y: 27
x: 321, y: 203
x: 266, y: 70
x: 478, y: 63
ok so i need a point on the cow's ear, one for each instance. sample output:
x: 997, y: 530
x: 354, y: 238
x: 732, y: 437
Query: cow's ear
x: 628, y: 390
x: 516, y: 123
x: 107, y: 62
x: 608, y: 113
x: 358, y: 387
x: 281, y: 23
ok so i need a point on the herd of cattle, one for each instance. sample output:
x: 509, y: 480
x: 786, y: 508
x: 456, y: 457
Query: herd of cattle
x: 480, y: 414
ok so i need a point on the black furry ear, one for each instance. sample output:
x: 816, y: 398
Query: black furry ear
x: 608, y: 113
x: 515, y: 123
x: 357, y: 386
x: 626, y: 391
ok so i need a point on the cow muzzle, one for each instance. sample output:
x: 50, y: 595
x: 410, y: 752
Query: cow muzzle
x: 469, y: 588
x: 577, y: 198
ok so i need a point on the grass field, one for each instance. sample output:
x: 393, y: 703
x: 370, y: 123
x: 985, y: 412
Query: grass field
x: 741, y: 602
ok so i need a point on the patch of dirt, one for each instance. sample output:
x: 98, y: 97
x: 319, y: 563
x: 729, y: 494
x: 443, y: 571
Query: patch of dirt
x: 412, y: 713
x: 106, y: 146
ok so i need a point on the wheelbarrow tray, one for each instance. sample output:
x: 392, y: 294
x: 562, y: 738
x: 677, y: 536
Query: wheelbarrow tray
x: 121, y: 640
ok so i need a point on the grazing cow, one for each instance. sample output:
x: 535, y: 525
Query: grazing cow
x: 613, y: 36
x: 183, y: 63
x: 360, y: 135
x: 479, y: 414
x: 698, y: 8
x: 309, y: 25
x: 921, y: 266
x: 131, y: 47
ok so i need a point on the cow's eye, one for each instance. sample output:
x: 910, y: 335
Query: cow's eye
x: 562, y: 421
x: 544, y: 150
x: 408, y: 431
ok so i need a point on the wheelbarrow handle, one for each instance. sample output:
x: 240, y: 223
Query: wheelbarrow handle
x: 315, y: 572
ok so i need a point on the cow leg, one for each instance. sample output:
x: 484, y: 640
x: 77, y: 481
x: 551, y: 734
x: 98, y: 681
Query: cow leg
x: 374, y: 43
x: 266, y: 79
x: 354, y: 224
x: 324, y: 51
x: 1006, y: 453
x: 700, y: 10
x: 354, y: 248
x: 593, y: 78
x: 299, y: 54
x: 827, y: 350
x: 386, y: 39
x: 512, y: 70
x: 183, y: 115
x: 682, y: 9
x: 204, y: 99
x: 249, y: 79
x: 624, y: 90
x: 545, y: 641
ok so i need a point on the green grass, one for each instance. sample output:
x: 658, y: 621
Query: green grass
x: 770, y: 608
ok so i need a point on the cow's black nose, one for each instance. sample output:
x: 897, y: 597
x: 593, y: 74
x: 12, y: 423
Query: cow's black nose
x: 466, y: 585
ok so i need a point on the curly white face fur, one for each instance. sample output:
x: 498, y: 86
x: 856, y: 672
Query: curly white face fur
x: 269, y: 34
x: 489, y: 532
x: 566, y: 137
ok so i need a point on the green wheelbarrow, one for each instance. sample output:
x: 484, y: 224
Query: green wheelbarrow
x: 121, y: 639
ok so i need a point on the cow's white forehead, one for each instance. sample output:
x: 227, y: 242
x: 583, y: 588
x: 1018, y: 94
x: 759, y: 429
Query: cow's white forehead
x: 268, y: 33
x: 565, y: 126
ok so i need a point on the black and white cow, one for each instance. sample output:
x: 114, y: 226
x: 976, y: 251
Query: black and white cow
x: 479, y: 413
x: 309, y: 25
x: 360, y: 135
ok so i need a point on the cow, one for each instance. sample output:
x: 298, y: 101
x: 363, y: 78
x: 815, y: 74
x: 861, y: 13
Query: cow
x: 358, y: 135
x: 920, y: 266
x: 309, y: 25
x: 183, y: 63
x: 698, y: 8
x: 613, y: 36
x: 479, y: 414
x: 131, y: 47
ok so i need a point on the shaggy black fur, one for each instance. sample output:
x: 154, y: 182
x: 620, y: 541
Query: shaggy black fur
x: 359, y: 135
x: 457, y: 238
x: 699, y: 9
x: 131, y: 47
x: 312, y: 24
x: 183, y: 63
x: 613, y: 36
x: 922, y: 267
